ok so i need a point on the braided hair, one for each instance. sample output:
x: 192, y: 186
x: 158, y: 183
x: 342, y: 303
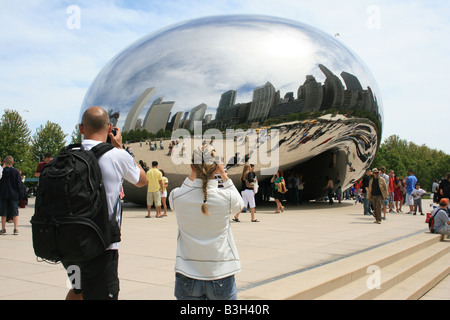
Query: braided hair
x: 204, y: 163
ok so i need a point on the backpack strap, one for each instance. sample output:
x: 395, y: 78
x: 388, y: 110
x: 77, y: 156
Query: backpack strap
x: 432, y: 229
x: 101, y: 149
x: 437, y: 212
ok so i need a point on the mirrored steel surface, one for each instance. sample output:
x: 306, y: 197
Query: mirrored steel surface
x: 248, y: 72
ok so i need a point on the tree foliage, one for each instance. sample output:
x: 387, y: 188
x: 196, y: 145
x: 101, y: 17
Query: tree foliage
x: 16, y: 141
x: 400, y: 155
x: 14, y: 136
x: 48, y: 138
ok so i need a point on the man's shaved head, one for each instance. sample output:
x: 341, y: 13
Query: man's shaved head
x: 95, y: 119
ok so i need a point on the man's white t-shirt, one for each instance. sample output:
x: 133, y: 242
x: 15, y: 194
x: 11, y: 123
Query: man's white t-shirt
x: 117, y: 165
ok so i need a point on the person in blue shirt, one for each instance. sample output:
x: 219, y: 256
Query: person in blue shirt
x: 410, y: 186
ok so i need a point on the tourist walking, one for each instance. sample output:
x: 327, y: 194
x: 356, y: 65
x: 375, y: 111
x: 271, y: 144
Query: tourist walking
x: 435, y: 191
x: 391, y: 175
x: 365, y: 189
x: 410, y: 186
x: 386, y: 177
x: 398, y: 195
x: 11, y: 190
x: 377, y: 192
x: 154, y: 189
x: 279, y: 190
x: 248, y: 179
x: 330, y: 188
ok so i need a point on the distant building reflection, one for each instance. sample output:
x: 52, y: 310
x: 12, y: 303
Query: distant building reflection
x: 266, y: 107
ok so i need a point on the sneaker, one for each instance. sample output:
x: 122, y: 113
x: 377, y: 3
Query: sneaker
x: 3, y: 231
x: 16, y: 232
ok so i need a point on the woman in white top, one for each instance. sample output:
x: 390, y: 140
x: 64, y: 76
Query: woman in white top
x: 248, y: 179
x: 207, y: 257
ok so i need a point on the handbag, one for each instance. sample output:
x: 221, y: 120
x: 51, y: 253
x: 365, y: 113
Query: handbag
x: 248, y: 184
x: 281, y: 187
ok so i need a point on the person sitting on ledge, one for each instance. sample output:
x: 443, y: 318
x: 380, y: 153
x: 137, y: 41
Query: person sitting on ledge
x: 441, y: 218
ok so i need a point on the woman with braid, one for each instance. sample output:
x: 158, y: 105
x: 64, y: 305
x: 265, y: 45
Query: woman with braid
x: 207, y: 258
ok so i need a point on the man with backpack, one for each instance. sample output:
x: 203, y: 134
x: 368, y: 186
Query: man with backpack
x: 99, y: 276
x: 441, y: 220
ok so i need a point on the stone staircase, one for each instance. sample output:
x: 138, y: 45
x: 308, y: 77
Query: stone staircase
x: 402, y: 270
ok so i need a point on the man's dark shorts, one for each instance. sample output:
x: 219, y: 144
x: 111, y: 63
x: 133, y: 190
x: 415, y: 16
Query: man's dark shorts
x: 9, y: 208
x: 98, y: 277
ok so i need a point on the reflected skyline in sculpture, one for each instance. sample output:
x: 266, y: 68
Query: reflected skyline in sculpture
x: 267, y: 104
x: 247, y: 72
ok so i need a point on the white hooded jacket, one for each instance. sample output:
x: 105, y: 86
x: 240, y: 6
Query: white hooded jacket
x: 205, y: 248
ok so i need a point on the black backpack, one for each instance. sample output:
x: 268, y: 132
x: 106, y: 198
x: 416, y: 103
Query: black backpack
x: 71, y: 220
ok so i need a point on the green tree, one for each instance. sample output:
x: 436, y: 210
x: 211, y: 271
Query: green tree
x: 76, y: 136
x: 14, y: 137
x: 400, y: 155
x: 48, y: 138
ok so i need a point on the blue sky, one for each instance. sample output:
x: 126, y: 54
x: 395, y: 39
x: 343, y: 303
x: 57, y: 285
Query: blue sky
x: 46, y: 65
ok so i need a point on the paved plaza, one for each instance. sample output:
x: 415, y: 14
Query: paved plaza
x: 294, y: 241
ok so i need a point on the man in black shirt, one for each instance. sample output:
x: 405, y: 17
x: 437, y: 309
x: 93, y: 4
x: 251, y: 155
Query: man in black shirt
x: 444, y: 187
x: 365, y: 188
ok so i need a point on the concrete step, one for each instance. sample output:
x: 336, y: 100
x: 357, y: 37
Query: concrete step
x: 418, y: 284
x: 323, y: 280
x: 390, y: 276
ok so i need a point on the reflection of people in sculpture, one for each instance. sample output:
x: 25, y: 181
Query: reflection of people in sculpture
x: 233, y: 161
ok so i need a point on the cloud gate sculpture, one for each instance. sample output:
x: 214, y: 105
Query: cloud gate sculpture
x: 273, y: 92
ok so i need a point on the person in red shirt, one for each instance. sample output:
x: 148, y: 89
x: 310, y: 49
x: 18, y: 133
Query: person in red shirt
x: 391, y: 190
x: 47, y: 158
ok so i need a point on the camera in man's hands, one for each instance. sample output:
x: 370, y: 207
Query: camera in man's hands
x: 114, y: 132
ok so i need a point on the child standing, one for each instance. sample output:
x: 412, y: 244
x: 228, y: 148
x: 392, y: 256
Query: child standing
x: 418, y: 193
